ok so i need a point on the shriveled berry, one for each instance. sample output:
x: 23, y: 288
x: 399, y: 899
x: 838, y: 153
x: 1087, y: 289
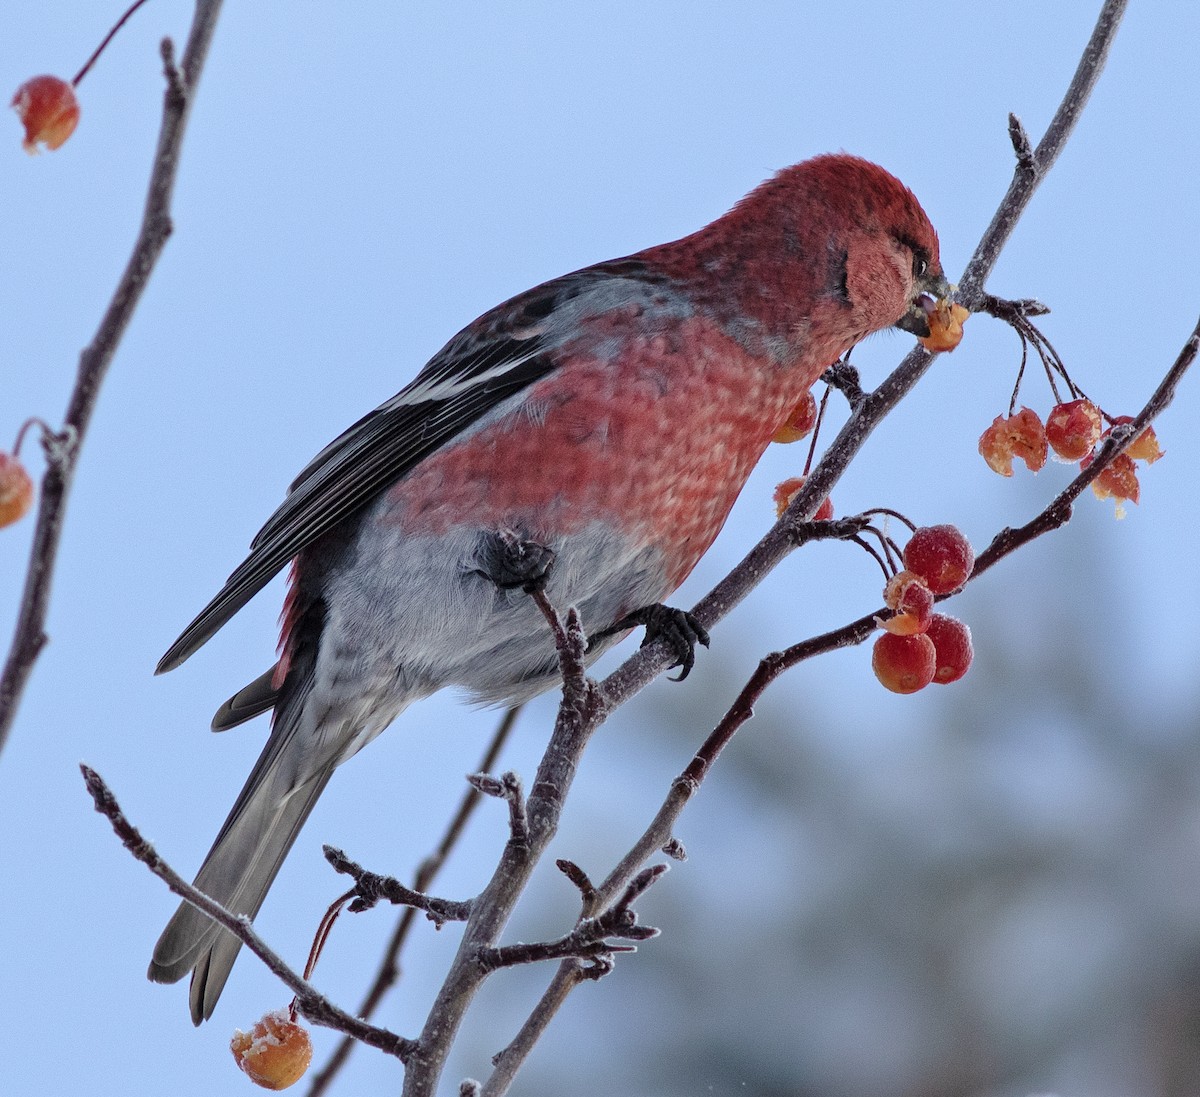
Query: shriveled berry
x: 16, y: 489
x: 1073, y: 428
x: 904, y: 664
x: 952, y: 646
x: 1118, y: 482
x: 48, y: 109
x: 1021, y: 436
x: 941, y: 555
x: 275, y: 1053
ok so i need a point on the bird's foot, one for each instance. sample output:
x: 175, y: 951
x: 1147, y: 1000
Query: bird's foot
x: 514, y: 563
x: 678, y: 627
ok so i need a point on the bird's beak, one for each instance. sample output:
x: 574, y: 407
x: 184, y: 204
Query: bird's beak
x: 929, y: 290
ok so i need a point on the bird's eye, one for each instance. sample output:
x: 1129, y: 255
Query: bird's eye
x: 920, y: 266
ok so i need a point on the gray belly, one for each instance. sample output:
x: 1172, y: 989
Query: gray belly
x: 408, y: 615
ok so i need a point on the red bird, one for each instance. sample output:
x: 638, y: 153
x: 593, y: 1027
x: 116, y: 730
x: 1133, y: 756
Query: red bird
x: 591, y: 434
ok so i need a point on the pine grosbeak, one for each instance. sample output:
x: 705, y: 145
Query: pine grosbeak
x: 608, y: 419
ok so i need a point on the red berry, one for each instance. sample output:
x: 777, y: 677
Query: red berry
x: 1021, y: 435
x: 904, y: 664
x: 275, y: 1053
x: 16, y: 489
x: 941, y: 555
x: 49, y: 111
x: 1072, y: 429
x: 800, y: 422
x: 952, y: 645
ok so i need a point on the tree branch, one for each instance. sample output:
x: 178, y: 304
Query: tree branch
x: 645, y: 665
x: 867, y: 412
x: 310, y: 1002
x: 30, y: 635
x: 580, y: 713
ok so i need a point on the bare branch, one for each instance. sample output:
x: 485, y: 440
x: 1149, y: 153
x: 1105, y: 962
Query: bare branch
x: 582, y: 710
x: 1032, y: 168
x: 370, y: 887
x: 590, y: 937
x: 30, y: 635
x: 314, y: 1005
x: 641, y: 668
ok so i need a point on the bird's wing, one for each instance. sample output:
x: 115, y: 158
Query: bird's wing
x: 503, y: 352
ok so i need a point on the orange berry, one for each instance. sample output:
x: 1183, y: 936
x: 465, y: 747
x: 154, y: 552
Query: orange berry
x: 16, y: 489
x: 1021, y: 435
x: 800, y: 422
x: 904, y: 664
x: 945, y: 326
x: 49, y: 111
x: 275, y: 1053
x: 952, y: 648
x: 786, y: 491
x: 941, y: 556
x: 1072, y: 429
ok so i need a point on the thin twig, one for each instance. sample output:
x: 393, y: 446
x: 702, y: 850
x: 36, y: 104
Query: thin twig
x: 590, y: 937
x: 370, y: 887
x: 30, y: 635
x: 314, y: 1005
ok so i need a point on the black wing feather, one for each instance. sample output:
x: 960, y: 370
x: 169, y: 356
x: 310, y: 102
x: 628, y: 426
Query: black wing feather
x: 379, y: 449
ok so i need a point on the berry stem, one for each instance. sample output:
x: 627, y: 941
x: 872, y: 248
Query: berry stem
x: 912, y: 526
x: 32, y: 421
x: 104, y: 45
x: 812, y: 445
x: 322, y: 935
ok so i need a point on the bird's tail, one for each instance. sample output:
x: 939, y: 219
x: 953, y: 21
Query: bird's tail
x: 237, y: 872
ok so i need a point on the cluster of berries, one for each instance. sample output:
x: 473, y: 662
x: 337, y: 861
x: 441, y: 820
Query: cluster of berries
x: 919, y: 646
x: 1072, y: 430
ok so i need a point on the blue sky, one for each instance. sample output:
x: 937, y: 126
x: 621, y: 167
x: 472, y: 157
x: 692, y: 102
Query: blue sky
x: 359, y: 181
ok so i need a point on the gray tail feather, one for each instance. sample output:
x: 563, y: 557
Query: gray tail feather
x: 249, y: 701
x: 237, y: 873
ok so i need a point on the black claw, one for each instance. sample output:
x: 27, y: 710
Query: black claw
x: 678, y: 627
x: 512, y: 563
